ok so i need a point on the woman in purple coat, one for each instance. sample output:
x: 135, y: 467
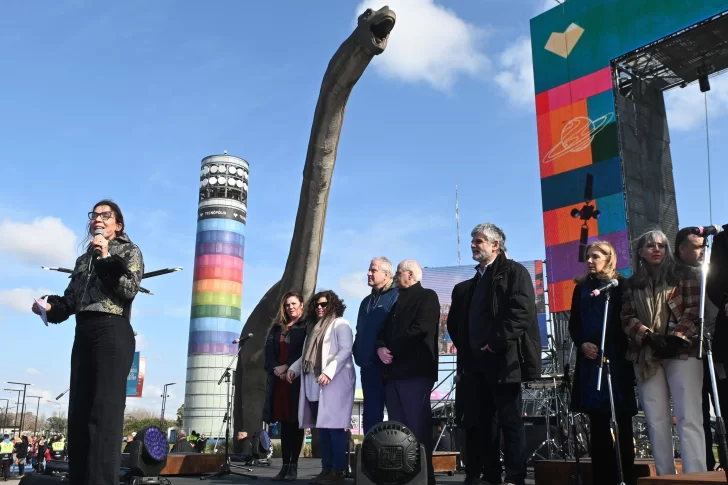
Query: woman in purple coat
x: 327, y: 387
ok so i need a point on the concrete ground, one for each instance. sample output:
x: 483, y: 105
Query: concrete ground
x: 307, y: 469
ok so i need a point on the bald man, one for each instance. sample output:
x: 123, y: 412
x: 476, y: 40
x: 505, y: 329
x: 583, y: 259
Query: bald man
x: 407, y: 346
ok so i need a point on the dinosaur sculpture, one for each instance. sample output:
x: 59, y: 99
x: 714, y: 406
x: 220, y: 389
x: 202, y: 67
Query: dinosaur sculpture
x: 344, y: 70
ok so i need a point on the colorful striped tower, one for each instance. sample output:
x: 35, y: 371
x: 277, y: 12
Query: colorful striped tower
x: 217, y: 289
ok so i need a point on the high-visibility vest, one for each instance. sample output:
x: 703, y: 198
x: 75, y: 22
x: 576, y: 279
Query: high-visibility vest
x: 6, y: 448
x: 57, y: 446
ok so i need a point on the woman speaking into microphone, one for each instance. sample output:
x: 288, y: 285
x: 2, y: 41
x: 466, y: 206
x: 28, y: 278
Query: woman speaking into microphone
x: 103, y: 285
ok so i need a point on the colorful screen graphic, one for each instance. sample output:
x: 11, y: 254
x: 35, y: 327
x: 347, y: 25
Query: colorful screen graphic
x: 444, y: 279
x: 581, y: 169
x: 135, y: 379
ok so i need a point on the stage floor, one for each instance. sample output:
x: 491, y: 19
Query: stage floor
x: 307, y: 469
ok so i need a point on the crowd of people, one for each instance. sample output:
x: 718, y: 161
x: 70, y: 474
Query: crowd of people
x: 31, y: 452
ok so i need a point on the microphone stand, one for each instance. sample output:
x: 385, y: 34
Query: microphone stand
x: 578, y: 480
x: 705, y: 340
x: 225, y: 467
x: 614, y: 426
x: 607, y: 296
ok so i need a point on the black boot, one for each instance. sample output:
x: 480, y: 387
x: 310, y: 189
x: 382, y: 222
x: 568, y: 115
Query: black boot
x: 292, y: 474
x: 282, y: 474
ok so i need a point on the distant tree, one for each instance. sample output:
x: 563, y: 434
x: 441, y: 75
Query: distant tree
x: 180, y: 415
x: 141, y: 413
x: 136, y: 425
x: 56, y: 424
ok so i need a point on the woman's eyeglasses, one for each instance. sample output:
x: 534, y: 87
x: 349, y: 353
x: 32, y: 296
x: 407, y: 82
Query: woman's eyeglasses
x: 656, y: 246
x: 322, y: 304
x: 104, y: 215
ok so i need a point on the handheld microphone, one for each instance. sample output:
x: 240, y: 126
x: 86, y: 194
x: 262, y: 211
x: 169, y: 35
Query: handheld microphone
x: 97, y: 251
x: 607, y: 287
x: 705, y: 231
x: 241, y: 340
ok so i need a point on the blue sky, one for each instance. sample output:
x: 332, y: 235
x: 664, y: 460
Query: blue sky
x: 124, y: 100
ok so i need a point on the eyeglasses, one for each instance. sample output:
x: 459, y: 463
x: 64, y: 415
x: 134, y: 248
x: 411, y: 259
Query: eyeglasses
x: 104, y: 215
x: 656, y: 246
x: 322, y: 304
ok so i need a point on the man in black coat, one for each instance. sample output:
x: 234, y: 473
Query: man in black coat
x: 407, y: 346
x: 493, y: 325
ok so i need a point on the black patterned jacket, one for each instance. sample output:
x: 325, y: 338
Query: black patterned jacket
x: 106, y: 285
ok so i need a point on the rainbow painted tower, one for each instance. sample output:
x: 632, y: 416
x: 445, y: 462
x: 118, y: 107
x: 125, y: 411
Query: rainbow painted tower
x: 217, y: 289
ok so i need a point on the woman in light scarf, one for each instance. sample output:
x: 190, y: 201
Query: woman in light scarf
x: 660, y: 315
x: 327, y: 388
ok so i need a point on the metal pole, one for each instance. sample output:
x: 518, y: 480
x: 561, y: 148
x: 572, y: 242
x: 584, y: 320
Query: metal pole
x: 604, y: 334
x: 615, y: 427
x: 703, y: 279
x: 22, y: 412
x: 37, y: 410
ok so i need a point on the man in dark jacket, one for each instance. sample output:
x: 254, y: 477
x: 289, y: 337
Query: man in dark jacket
x: 407, y: 346
x: 373, y: 312
x: 493, y: 324
x: 182, y: 445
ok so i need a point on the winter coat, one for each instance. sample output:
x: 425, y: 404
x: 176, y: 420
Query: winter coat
x: 585, y: 325
x: 373, y: 312
x: 336, y: 400
x: 106, y: 285
x: 717, y: 290
x: 297, y: 335
x: 410, y: 334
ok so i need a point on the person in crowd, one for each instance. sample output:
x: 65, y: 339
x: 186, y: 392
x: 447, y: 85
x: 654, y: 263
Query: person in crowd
x: 283, y: 347
x: 407, y: 346
x: 201, y: 443
x: 373, y: 311
x: 328, y: 379
x: 42, y: 446
x: 103, y: 286
x: 717, y: 291
x: 33, y: 452
x: 182, y: 445
x: 659, y: 315
x: 585, y: 328
x: 689, y: 254
x: 21, y: 453
x: 6, y: 455
x: 493, y: 324
x: 192, y: 438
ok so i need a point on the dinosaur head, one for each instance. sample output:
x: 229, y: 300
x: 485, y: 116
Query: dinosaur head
x: 374, y: 26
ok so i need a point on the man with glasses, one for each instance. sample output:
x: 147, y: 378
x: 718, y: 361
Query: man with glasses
x: 407, y: 346
x: 373, y: 311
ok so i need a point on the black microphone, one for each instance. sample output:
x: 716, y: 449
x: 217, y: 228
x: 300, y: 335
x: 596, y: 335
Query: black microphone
x: 607, y: 287
x: 705, y: 231
x: 241, y: 340
x: 97, y: 251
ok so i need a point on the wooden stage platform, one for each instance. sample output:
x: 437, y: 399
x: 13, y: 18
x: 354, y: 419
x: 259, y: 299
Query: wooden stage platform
x: 687, y: 479
x: 192, y: 463
x: 560, y: 472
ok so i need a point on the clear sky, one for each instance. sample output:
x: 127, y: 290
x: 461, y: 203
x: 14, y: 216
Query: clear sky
x: 124, y: 100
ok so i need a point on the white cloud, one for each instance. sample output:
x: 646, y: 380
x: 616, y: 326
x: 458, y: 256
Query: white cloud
x: 686, y: 106
x: 21, y: 299
x: 31, y: 370
x: 353, y: 288
x: 429, y: 43
x: 45, y: 241
x: 141, y: 342
x: 516, y: 73
x: 545, y: 5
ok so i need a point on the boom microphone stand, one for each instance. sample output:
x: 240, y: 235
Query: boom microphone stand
x: 614, y: 426
x: 705, y: 338
x: 225, y: 467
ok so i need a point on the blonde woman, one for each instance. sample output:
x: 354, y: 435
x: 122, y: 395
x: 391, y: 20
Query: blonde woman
x: 585, y: 328
x: 659, y: 315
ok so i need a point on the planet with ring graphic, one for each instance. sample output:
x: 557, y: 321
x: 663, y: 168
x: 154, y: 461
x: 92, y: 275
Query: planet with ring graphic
x: 577, y: 135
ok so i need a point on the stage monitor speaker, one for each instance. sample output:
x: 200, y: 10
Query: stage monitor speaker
x: 36, y: 479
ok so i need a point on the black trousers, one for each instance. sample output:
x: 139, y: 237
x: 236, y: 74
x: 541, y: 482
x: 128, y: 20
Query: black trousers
x: 722, y: 385
x: 6, y: 468
x: 291, y: 442
x: 604, y: 460
x: 500, y: 408
x: 103, y: 351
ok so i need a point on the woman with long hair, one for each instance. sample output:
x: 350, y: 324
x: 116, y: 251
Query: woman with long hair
x: 104, y: 282
x: 585, y: 328
x: 660, y: 316
x: 283, y: 347
x: 327, y: 372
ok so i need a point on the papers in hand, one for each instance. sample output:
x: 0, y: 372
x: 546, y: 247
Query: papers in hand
x: 42, y: 305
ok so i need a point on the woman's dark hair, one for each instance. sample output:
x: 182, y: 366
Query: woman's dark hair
x: 666, y: 271
x: 117, y: 215
x: 335, y: 305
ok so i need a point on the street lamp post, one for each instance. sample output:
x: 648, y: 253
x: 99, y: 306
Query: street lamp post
x: 5, y: 419
x: 37, y: 410
x: 17, y: 404
x: 22, y: 412
x: 164, y: 400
